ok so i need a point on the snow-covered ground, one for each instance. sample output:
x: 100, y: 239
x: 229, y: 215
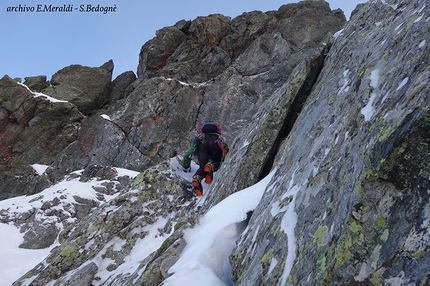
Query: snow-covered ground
x: 209, y: 244
x: 15, y: 261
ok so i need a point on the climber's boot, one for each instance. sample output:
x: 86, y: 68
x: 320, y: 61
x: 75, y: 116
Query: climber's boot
x: 209, y: 172
x: 197, y: 185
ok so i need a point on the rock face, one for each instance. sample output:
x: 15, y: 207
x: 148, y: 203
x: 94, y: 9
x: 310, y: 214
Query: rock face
x: 33, y: 130
x: 253, y: 43
x: 342, y: 120
x: 354, y: 167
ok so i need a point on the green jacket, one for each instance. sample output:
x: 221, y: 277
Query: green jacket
x: 189, y: 155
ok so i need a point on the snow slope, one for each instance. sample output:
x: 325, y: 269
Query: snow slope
x: 209, y: 244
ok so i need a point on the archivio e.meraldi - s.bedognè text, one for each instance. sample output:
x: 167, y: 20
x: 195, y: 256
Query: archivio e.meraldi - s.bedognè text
x: 41, y: 8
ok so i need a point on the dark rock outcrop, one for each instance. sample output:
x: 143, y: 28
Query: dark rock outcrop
x: 36, y: 83
x: 253, y: 43
x: 149, y: 126
x: 121, y: 86
x: 87, y: 88
x: 33, y: 130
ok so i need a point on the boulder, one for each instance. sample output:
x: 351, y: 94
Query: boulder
x: 154, y: 53
x: 39, y: 235
x: 22, y: 180
x: 36, y: 83
x: 121, y: 86
x: 88, y: 88
x: 83, y: 276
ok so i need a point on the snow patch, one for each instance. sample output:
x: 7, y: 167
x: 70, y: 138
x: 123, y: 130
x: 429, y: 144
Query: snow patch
x: 404, y: 81
x: 254, y: 238
x: 181, y: 82
x: 422, y: 44
x: 346, y: 135
x: 374, y: 78
x: 385, y: 97
x: 418, y: 19
x: 105, y: 116
x: 422, y: 8
x: 345, y: 87
x: 47, y: 97
x: 141, y: 250
x: 288, y: 225
x: 398, y: 27
x: 209, y: 244
x: 315, y: 171
x: 368, y: 110
x: 15, y: 261
x: 272, y: 265
x: 39, y: 94
x: 40, y: 169
x: 125, y: 172
x: 246, y: 143
x: 338, y: 33
x: 275, y: 209
x: 177, y: 168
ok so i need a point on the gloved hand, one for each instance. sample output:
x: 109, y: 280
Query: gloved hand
x: 201, y: 136
x: 187, y: 170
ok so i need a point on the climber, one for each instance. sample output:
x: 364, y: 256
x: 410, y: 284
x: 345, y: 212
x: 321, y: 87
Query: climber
x: 211, y: 148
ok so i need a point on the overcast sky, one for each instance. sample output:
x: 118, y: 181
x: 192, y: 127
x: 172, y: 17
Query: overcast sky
x: 41, y: 43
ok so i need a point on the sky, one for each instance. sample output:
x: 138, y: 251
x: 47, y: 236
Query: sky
x: 41, y: 43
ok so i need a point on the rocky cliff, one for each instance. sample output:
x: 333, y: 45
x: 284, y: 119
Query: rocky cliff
x: 336, y: 112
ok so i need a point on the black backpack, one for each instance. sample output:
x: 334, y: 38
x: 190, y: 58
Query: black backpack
x: 210, y: 127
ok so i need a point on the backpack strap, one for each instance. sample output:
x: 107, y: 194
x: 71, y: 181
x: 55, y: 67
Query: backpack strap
x: 222, y: 146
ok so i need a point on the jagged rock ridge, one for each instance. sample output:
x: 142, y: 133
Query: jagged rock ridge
x: 343, y: 122
x: 158, y: 112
